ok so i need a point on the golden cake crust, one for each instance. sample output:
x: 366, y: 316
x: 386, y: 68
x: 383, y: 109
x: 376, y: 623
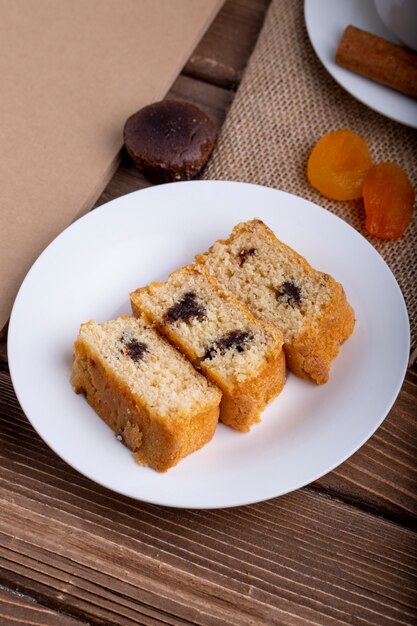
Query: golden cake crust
x: 311, y: 355
x: 241, y: 407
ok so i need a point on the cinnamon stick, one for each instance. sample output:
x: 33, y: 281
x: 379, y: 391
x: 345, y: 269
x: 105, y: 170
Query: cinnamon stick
x: 378, y: 59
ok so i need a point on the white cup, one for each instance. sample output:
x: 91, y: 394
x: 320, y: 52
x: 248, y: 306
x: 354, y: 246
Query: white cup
x: 400, y: 17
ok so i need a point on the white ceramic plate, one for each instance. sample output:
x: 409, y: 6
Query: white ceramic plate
x: 326, y: 20
x: 88, y: 272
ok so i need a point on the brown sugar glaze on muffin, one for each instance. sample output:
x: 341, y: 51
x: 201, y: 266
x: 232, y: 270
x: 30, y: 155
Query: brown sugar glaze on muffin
x: 169, y: 140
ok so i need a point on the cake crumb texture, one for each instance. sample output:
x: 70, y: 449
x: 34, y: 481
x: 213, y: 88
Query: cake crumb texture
x: 280, y: 287
x: 145, y: 390
x: 221, y: 337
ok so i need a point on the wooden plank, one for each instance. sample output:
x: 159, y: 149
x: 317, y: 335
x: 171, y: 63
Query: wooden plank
x: 222, y: 54
x: 3, y: 356
x: 21, y: 610
x: 275, y: 563
x: 299, y: 559
x: 214, y: 100
x: 3, y: 332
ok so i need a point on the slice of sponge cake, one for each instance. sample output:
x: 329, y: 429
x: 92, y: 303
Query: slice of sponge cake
x: 221, y: 337
x: 280, y: 287
x: 145, y: 390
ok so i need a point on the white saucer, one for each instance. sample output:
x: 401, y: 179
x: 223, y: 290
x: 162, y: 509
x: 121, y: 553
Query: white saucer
x: 325, y: 21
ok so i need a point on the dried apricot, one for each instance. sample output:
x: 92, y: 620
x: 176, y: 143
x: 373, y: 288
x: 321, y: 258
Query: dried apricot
x: 389, y: 199
x: 338, y: 164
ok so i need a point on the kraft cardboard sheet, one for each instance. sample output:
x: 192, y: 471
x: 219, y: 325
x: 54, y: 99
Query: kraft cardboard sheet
x: 71, y: 72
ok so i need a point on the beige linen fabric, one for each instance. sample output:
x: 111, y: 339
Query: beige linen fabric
x: 285, y: 103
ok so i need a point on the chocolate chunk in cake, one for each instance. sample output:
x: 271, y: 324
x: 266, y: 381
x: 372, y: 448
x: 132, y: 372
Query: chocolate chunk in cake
x: 136, y: 350
x: 245, y: 254
x: 186, y: 308
x: 238, y: 340
x: 289, y: 292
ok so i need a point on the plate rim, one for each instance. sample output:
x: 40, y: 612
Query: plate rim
x: 95, y: 215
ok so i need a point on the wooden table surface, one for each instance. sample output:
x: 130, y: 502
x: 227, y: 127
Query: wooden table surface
x: 340, y: 551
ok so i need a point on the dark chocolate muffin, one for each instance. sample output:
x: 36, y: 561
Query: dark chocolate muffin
x: 169, y: 140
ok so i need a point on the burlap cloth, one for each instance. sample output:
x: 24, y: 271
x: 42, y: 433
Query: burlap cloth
x: 285, y: 103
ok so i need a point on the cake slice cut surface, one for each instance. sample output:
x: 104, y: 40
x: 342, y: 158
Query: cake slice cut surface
x: 221, y: 337
x: 145, y: 390
x: 279, y: 286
